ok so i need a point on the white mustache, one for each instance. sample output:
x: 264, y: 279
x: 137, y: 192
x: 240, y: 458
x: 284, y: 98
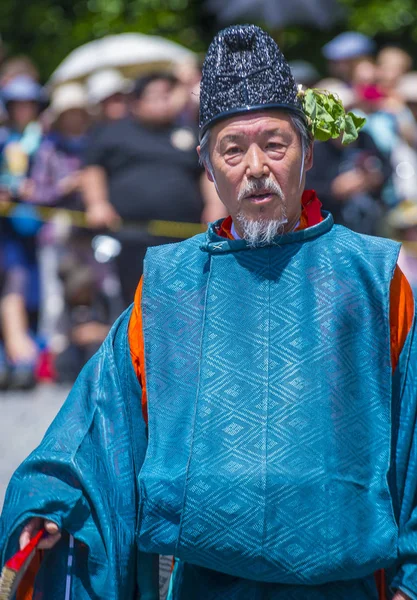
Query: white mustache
x: 263, y: 186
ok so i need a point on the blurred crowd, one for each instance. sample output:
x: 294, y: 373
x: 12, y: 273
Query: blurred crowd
x: 86, y: 164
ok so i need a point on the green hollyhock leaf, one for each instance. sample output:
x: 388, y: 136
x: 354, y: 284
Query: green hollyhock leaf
x: 310, y: 104
x: 350, y: 133
x: 358, y: 121
x: 326, y: 116
x: 335, y: 107
x: 353, y: 124
x: 323, y: 114
x: 322, y: 136
x: 323, y: 133
x: 338, y: 126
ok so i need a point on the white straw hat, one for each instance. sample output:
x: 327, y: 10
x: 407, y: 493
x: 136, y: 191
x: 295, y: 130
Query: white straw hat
x: 106, y: 82
x: 66, y: 97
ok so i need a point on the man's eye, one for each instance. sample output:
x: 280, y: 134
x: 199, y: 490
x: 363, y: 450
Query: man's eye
x: 275, y: 146
x: 232, y: 150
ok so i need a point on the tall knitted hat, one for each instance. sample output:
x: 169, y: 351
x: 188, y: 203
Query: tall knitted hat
x: 245, y: 71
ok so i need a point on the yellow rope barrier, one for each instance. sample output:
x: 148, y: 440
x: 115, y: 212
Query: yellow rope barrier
x: 155, y: 227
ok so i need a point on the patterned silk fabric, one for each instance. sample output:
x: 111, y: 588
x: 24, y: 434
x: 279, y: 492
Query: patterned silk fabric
x: 82, y: 476
x: 272, y: 367
x: 281, y: 462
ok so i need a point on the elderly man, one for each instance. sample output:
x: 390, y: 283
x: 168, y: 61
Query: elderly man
x: 269, y: 444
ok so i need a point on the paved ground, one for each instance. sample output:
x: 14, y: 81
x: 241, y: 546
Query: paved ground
x: 24, y: 418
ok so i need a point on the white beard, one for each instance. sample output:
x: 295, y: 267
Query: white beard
x: 261, y: 231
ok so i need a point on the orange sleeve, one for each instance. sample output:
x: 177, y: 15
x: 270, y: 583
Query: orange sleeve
x: 401, y: 313
x: 137, y: 346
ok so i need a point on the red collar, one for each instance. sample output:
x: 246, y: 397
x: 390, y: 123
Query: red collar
x: 310, y: 215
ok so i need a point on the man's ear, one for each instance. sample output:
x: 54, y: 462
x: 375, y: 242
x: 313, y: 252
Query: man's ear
x: 208, y: 172
x: 209, y: 175
x: 308, y: 162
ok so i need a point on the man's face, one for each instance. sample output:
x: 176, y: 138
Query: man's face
x: 73, y: 122
x: 344, y: 69
x: 155, y: 105
x: 23, y: 112
x: 114, y: 107
x: 258, y: 167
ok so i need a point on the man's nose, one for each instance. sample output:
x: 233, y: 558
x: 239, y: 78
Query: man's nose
x: 256, y: 163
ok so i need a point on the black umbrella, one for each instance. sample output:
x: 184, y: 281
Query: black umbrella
x: 278, y: 13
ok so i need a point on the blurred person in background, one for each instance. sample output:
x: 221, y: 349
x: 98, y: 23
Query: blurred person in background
x: 349, y: 179
x: 56, y: 169
x: 90, y: 310
x: 56, y: 178
x: 108, y: 94
x: 392, y: 63
x: 19, y: 305
x: 404, y: 155
x: 56, y: 175
x: 145, y: 167
x: 344, y: 52
x: 15, y: 66
x: 24, y: 99
x: 364, y: 74
x: 376, y: 85
x: 392, y: 126
x: 188, y: 74
x: 381, y: 124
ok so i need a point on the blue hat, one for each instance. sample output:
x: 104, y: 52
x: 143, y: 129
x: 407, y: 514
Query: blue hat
x: 244, y: 71
x: 349, y: 44
x: 21, y: 88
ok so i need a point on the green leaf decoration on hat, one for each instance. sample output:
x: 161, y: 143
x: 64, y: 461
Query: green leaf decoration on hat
x: 327, y: 118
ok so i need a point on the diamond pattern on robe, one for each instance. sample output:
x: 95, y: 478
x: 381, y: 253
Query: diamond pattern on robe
x: 269, y: 387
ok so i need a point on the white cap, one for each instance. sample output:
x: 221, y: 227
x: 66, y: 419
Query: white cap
x: 407, y: 87
x: 68, y: 96
x: 106, y: 82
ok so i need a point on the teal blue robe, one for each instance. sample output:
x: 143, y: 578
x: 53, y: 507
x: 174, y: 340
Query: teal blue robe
x: 83, y: 477
x: 280, y: 461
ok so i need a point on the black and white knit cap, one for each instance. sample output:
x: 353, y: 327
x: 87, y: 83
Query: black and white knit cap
x: 244, y: 71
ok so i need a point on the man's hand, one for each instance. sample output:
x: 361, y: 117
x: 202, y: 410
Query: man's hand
x: 70, y: 183
x: 32, y: 528
x: 89, y: 333
x: 102, y: 215
x: 26, y: 189
x: 349, y: 183
x: 401, y: 596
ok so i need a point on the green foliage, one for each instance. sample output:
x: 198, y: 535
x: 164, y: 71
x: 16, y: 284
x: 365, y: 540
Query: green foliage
x: 375, y: 17
x: 47, y: 30
x: 327, y: 117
